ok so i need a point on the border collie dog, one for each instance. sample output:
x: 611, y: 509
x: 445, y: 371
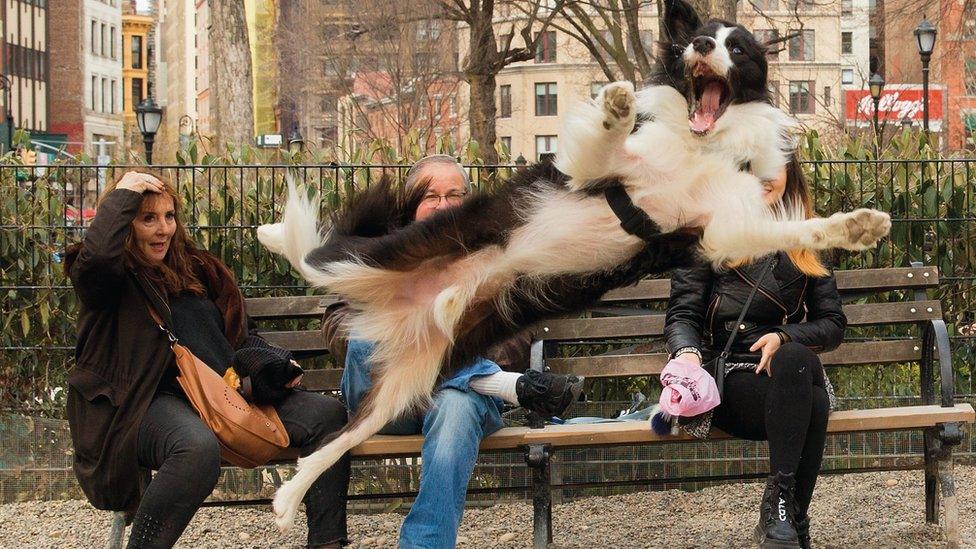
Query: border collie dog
x: 438, y: 292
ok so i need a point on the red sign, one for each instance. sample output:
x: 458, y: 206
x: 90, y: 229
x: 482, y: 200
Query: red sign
x: 899, y: 103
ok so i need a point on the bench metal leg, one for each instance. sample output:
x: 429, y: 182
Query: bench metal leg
x: 117, y: 534
x: 933, y: 447
x: 537, y: 457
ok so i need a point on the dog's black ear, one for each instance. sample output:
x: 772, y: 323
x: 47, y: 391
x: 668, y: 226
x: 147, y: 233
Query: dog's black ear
x: 680, y: 22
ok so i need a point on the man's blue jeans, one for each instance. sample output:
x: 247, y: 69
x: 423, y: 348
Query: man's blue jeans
x: 453, y: 428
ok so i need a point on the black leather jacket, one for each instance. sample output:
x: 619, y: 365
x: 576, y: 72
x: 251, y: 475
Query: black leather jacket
x: 705, y: 305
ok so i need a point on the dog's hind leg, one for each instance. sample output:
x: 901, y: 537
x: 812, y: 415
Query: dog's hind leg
x: 404, y: 381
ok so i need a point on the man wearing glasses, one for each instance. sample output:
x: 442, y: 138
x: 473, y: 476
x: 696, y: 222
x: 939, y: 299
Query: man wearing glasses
x: 467, y: 407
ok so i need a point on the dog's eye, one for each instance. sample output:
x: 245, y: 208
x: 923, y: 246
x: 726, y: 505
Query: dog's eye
x: 737, y: 50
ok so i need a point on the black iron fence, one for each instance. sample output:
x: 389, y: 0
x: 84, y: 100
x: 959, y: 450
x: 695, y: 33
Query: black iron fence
x: 46, y: 208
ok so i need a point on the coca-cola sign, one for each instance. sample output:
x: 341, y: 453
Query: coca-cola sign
x: 899, y: 103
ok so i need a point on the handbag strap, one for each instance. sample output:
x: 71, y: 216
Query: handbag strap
x: 745, y: 307
x: 156, y: 303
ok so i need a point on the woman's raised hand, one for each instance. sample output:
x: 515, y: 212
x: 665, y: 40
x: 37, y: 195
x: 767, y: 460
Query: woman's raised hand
x: 140, y: 182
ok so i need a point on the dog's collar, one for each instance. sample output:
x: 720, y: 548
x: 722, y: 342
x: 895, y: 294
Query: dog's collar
x: 632, y: 219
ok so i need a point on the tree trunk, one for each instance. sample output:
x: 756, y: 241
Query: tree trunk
x: 231, y: 98
x: 715, y: 9
x: 482, y: 115
x: 480, y: 71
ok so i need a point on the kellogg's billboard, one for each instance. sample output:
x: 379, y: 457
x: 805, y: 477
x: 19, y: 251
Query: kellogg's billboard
x: 898, y: 103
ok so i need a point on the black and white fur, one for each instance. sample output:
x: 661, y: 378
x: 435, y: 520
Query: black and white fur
x: 440, y: 291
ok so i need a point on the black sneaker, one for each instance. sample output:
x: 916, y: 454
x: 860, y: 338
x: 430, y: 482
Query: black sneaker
x: 777, y: 514
x: 548, y: 394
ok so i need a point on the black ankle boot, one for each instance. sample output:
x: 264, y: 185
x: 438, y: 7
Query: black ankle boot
x: 777, y: 514
x: 548, y: 394
x: 803, y: 532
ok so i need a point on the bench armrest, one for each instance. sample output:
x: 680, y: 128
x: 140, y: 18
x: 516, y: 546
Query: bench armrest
x: 935, y: 339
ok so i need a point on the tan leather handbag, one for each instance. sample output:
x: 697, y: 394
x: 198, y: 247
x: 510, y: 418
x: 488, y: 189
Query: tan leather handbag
x: 250, y: 435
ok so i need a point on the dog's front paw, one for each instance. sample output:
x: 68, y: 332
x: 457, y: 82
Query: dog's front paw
x: 617, y: 100
x: 860, y: 229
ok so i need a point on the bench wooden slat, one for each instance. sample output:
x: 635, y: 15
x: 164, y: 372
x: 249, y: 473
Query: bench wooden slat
x: 861, y: 280
x: 300, y: 340
x: 580, y: 329
x: 648, y: 364
x: 638, y: 432
x: 261, y: 308
x: 325, y: 379
x: 865, y: 314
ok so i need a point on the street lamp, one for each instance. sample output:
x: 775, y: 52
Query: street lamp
x: 296, y: 142
x: 148, y: 117
x: 925, y: 36
x: 876, y: 85
x: 521, y: 161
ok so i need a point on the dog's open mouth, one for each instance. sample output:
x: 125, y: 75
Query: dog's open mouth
x: 709, y: 94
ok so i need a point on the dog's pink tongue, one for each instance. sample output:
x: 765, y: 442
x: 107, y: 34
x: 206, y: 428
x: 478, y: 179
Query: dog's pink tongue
x: 703, y: 119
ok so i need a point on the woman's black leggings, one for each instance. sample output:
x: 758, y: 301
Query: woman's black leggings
x: 788, y: 408
x: 185, y: 453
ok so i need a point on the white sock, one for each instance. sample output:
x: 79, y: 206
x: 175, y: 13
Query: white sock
x: 500, y: 384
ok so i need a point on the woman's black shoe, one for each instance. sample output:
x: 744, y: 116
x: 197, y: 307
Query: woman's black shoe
x: 803, y: 532
x: 777, y: 514
x: 548, y: 394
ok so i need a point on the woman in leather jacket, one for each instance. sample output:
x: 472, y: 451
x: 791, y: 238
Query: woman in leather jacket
x: 775, y: 388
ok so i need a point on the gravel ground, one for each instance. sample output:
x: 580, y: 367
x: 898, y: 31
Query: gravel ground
x: 860, y: 510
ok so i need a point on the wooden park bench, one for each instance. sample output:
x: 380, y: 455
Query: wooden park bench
x: 900, y: 301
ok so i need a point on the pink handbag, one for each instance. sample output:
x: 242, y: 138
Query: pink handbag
x: 688, y: 389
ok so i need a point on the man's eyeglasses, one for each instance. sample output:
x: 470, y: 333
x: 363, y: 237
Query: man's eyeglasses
x: 434, y: 200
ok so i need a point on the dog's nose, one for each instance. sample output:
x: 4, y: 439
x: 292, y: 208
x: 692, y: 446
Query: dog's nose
x: 703, y: 45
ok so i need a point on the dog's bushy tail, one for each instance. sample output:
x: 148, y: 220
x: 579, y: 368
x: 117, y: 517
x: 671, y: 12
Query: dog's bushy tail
x: 298, y: 232
x: 369, y: 214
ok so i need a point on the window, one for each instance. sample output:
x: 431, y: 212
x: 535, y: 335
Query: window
x: 827, y: 97
x: 112, y: 42
x: 969, y: 29
x: 545, y: 146
x: 801, y: 102
x: 647, y: 42
x: 802, y: 4
x: 801, y: 46
x: 506, y: 142
x: 766, y: 5
x: 545, y: 99
x: 136, y: 91
x: 421, y: 62
x: 111, y: 105
x: 595, y: 88
x: 847, y: 76
x: 105, y: 95
x: 94, y: 92
x: 765, y: 36
x: 846, y: 7
x: 545, y: 49
x: 846, y: 42
x: 94, y: 36
x: 429, y: 30
x: 773, y: 88
x: 136, y: 52
x: 970, y: 76
x: 505, y: 101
